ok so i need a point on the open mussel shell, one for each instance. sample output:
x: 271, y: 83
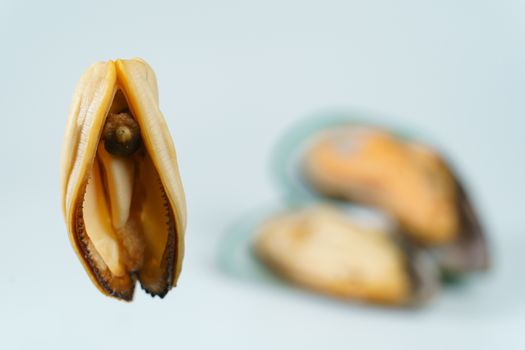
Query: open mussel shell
x: 122, y: 196
x: 335, y: 252
x: 450, y: 229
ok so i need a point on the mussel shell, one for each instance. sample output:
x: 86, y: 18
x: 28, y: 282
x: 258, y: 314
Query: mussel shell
x: 469, y: 252
x: 423, y: 269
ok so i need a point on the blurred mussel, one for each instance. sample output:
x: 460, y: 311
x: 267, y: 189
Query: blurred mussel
x: 405, y: 178
x: 332, y: 169
x: 333, y: 251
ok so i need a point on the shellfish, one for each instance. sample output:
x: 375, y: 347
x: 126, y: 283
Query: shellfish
x: 325, y: 249
x: 409, y: 180
x: 122, y: 197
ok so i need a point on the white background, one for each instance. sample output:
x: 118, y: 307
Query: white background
x: 232, y: 76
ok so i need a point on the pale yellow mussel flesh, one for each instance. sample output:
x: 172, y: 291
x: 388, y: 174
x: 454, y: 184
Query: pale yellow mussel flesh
x: 323, y: 249
x: 122, y: 196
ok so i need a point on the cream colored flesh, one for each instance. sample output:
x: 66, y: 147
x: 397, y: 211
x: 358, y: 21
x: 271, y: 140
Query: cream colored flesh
x: 119, y: 177
x: 97, y: 221
x: 119, y: 221
x: 126, y: 215
x: 323, y: 249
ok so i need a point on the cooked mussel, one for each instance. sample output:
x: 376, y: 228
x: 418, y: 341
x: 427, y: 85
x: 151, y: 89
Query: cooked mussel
x: 405, y: 178
x: 326, y: 249
x: 122, y: 196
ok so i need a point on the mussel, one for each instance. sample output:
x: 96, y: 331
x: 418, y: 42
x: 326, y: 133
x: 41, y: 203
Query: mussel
x: 122, y: 197
x: 326, y: 249
x: 407, y: 179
